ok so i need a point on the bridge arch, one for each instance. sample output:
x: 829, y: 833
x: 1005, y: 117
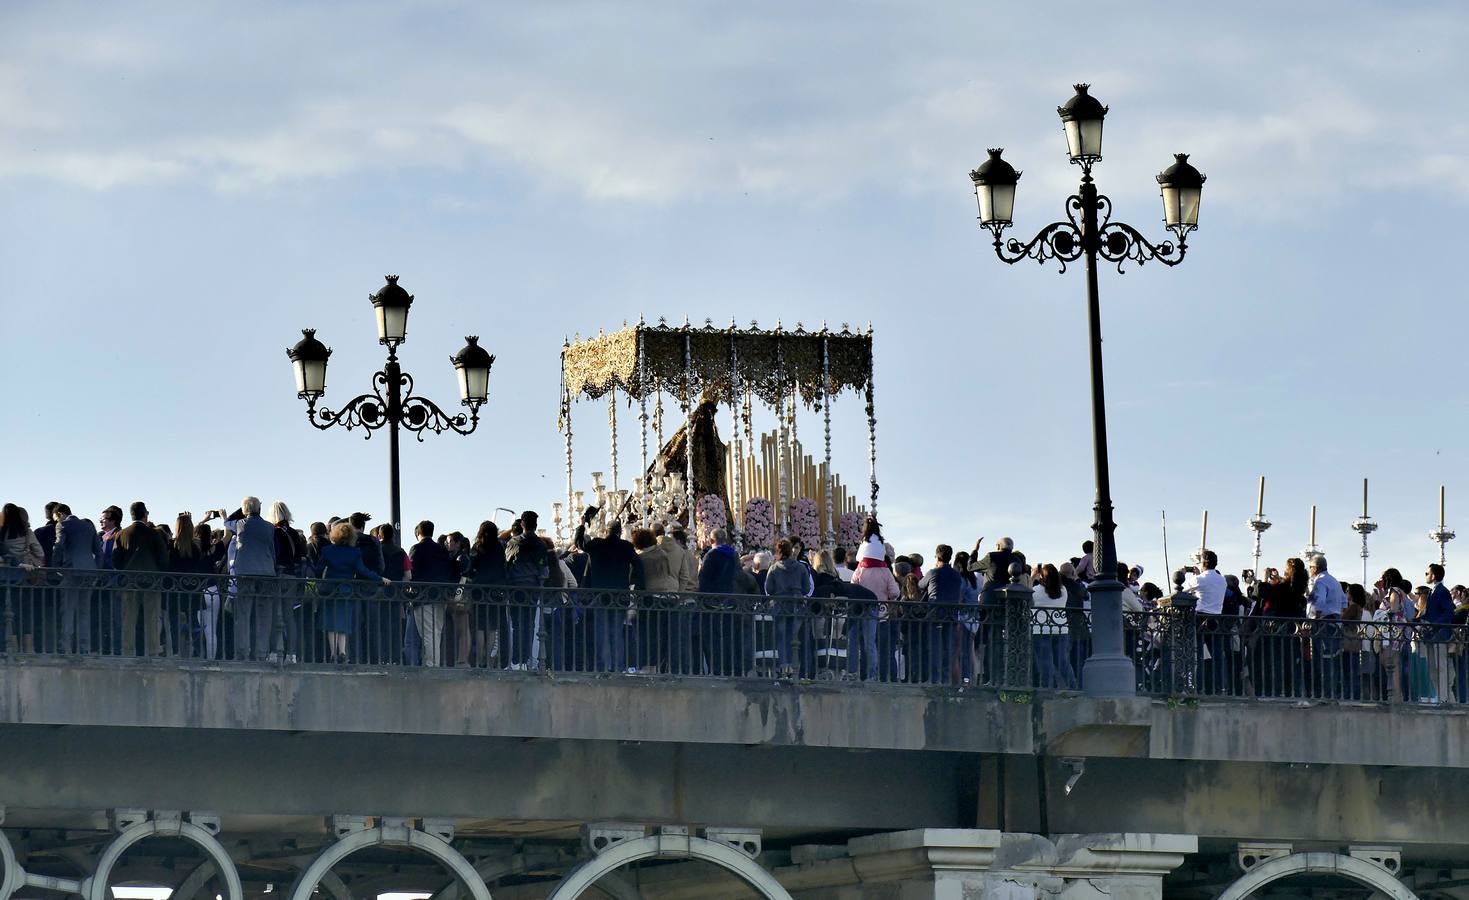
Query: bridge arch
x: 95, y: 887
x: 13, y: 876
x: 741, y: 866
x: 388, y: 836
x: 1358, y: 870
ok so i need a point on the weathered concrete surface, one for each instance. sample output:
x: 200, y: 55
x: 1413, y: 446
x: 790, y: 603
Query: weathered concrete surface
x: 454, y: 702
x: 1292, y: 802
x: 1273, y: 731
x: 275, y: 781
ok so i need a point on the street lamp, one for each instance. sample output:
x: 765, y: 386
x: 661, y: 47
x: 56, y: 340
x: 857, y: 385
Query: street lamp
x: 392, y: 402
x: 1089, y: 232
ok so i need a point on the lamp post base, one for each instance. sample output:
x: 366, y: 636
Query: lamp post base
x: 1112, y: 675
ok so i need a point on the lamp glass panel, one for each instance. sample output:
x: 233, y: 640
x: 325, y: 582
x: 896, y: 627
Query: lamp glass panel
x: 1188, y: 206
x: 1073, y: 138
x: 1002, y: 200
x: 315, y: 375
x: 996, y: 203
x: 392, y: 322
x: 463, y: 374
x: 300, y: 368
x: 478, y: 383
x: 1091, y: 137
x: 1170, y: 206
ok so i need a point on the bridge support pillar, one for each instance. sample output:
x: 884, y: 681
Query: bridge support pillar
x: 966, y: 864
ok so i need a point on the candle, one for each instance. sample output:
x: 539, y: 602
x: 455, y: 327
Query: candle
x: 1364, y: 498
x: 1440, y: 508
x: 1260, y: 503
x: 1313, y: 524
x: 1204, y: 532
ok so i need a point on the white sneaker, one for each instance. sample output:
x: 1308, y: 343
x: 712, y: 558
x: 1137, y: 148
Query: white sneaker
x: 517, y: 667
x: 272, y: 657
x: 290, y: 659
x: 632, y: 670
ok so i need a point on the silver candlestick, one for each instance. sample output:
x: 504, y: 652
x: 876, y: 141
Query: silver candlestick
x: 1441, y: 536
x: 1259, y: 525
x: 1364, y: 526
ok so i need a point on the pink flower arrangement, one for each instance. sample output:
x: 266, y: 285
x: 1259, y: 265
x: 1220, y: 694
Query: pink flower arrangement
x: 849, y: 530
x: 710, y: 515
x: 805, y: 524
x: 759, y: 524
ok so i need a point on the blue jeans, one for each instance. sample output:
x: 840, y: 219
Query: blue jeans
x: 611, y: 644
x: 887, y: 647
x: 794, y: 632
x: 862, y: 644
x: 938, y: 652
x: 1053, y: 661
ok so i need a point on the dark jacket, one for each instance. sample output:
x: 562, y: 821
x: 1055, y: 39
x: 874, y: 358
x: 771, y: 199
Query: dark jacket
x: 717, y: 572
x: 290, y: 551
x: 78, y: 546
x: 198, y: 564
x: 995, y: 567
x: 140, y: 548
x: 395, y: 563
x: 789, y: 578
x: 1440, y: 611
x: 431, y: 563
x: 344, y: 563
x: 824, y: 585
x: 612, y: 563
x: 1076, y: 624
x: 528, y: 562
x: 46, y: 534
x: 487, y: 564
x: 372, y: 552
x: 942, y: 584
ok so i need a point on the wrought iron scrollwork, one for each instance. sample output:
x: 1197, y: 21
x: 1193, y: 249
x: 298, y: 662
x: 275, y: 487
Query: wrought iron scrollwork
x: 1066, y: 242
x: 421, y: 414
x: 373, y: 411
x: 1121, y: 242
x: 1060, y: 241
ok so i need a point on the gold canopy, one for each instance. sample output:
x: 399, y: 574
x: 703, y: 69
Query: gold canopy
x: 768, y: 363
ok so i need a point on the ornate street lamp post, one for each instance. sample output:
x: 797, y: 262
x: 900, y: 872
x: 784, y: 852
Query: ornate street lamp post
x: 400, y: 407
x: 1089, y: 232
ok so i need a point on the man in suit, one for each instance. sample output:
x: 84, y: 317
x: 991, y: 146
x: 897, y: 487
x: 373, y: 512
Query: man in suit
x: 78, y: 548
x: 431, y: 565
x: 379, y: 620
x: 254, y: 540
x: 140, y: 548
x: 1440, y: 611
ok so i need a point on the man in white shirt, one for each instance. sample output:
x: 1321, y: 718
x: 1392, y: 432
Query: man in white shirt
x: 839, y: 557
x: 1207, y: 587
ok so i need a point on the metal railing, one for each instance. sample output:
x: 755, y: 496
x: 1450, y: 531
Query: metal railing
x: 1003, y: 643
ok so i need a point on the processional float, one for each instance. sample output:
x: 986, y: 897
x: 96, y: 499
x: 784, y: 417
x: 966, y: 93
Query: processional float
x: 758, y: 491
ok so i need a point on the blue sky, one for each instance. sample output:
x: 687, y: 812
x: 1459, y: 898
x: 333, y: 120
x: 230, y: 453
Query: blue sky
x: 188, y: 185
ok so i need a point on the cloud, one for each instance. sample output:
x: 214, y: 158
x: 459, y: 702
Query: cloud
x: 705, y: 103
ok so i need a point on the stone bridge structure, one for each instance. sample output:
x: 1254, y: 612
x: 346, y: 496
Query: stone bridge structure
x: 240, y: 780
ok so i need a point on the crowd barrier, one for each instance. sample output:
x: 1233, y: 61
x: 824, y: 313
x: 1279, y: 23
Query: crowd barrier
x: 1002, y: 643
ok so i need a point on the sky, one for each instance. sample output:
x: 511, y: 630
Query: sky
x: 186, y: 186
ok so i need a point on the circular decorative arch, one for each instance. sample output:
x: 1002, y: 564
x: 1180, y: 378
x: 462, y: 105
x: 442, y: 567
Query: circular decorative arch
x: 436, y: 847
x: 746, y: 869
x: 14, y: 876
x: 1358, y: 870
x: 95, y: 888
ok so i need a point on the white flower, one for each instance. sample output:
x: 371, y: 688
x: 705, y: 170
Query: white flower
x: 710, y: 516
x: 759, y: 523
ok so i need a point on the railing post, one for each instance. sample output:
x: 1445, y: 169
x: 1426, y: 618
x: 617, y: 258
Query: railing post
x: 1018, y: 643
x: 1181, y: 640
x: 12, y: 643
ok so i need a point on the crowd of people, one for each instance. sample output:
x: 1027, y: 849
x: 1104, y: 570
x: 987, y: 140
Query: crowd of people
x: 337, y: 591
